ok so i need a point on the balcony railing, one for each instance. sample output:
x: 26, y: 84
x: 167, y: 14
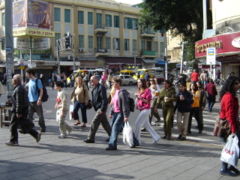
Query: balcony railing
x: 146, y: 53
x: 147, y: 33
x: 101, y: 52
x: 100, y: 28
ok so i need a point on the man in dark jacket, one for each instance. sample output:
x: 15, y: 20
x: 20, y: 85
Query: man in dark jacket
x: 184, y: 102
x: 20, y: 113
x: 100, y: 102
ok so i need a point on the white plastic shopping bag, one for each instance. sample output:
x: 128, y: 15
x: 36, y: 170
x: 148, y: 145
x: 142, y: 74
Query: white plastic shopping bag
x: 230, y: 152
x: 128, y: 134
x: 71, y: 107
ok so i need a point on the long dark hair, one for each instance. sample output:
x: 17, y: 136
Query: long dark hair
x: 144, y: 83
x: 228, y: 86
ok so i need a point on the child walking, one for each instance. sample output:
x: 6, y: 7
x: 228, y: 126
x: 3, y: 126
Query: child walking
x: 62, y: 109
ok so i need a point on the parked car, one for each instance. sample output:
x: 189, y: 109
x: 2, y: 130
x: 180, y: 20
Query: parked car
x: 128, y: 80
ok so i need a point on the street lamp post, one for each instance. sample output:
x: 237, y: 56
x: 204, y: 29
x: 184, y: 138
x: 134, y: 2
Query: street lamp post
x: 181, y: 65
x: 166, y: 64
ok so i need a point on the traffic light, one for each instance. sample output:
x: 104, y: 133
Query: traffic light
x: 68, y: 41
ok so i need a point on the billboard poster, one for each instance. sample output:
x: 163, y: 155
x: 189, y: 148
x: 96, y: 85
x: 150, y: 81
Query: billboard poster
x: 37, y: 43
x: 32, y: 14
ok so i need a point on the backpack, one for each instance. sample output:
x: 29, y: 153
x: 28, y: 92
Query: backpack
x: 45, y: 94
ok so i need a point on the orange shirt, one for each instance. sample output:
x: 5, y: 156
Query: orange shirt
x: 196, y: 99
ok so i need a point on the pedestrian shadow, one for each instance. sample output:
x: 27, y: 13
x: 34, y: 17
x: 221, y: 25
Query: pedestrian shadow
x: 40, y: 170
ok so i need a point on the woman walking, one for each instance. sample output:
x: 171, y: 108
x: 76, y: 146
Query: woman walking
x: 211, y: 94
x: 229, y: 112
x: 144, y: 97
x: 80, y: 98
x: 120, y: 112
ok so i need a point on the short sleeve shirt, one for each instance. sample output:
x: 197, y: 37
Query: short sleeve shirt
x: 32, y: 89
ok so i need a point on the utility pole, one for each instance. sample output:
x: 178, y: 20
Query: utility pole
x: 166, y: 64
x: 58, y: 56
x: 9, y: 45
x: 204, y: 16
x: 181, y: 65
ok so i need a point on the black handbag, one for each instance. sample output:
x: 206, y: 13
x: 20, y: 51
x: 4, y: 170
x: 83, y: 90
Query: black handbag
x: 89, y: 104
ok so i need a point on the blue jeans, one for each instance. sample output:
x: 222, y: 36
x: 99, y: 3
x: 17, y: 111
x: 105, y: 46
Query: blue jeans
x: 117, y: 126
x: 211, y: 102
x: 77, y: 106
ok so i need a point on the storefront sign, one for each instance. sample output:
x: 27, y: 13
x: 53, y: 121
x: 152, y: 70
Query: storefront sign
x: 222, y: 43
x: 33, y: 32
x: 211, y: 56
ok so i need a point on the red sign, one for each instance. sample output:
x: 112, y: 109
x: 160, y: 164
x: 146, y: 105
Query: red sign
x: 227, y: 44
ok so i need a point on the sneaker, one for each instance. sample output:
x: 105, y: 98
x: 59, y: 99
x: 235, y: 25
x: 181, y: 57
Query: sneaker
x: 156, y: 141
x: 143, y: 129
x: 12, y: 143
x: 153, y: 124
x: 180, y: 137
x: 43, y: 130
x: 110, y: 148
x: 38, y: 137
x: 89, y: 141
x: 227, y: 173
x: 235, y: 170
x: 62, y: 136
x: 183, y: 138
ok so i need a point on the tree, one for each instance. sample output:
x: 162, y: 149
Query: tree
x: 181, y: 17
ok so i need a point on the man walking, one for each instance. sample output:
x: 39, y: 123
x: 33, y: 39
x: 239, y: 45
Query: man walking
x: 35, y: 94
x: 19, y: 113
x: 99, y: 101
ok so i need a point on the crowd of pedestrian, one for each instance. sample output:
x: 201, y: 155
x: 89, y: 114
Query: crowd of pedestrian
x: 187, y: 101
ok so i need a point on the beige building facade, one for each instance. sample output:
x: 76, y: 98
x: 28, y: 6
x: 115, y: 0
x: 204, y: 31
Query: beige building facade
x: 104, y: 34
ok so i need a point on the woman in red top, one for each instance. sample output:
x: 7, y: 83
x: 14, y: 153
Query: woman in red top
x: 229, y: 111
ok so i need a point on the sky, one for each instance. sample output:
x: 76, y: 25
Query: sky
x: 130, y: 1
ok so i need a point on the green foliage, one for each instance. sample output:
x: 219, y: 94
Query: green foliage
x: 181, y: 17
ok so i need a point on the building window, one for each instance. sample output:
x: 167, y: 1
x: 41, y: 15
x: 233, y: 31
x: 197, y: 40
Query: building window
x: 155, y: 46
x: 57, y: 36
x: 90, y: 18
x: 149, y: 45
x: 134, y: 45
x: 116, y: 22
x: 90, y: 42
x: 67, y: 15
x: 116, y: 44
x: 3, y: 19
x: 81, y: 41
x: 80, y: 17
x: 99, y: 20
x: 135, y: 24
x: 126, y: 44
x: 143, y: 44
x: 109, y: 20
x: 162, y: 49
x: 108, y: 43
x: 57, y: 14
x: 128, y: 23
x: 99, y: 42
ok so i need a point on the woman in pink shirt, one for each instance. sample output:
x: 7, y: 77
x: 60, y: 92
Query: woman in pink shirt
x: 144, y: 98
x: 120, y: 112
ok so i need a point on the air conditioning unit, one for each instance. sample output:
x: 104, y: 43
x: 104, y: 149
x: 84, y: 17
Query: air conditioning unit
x: 81, y: 50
